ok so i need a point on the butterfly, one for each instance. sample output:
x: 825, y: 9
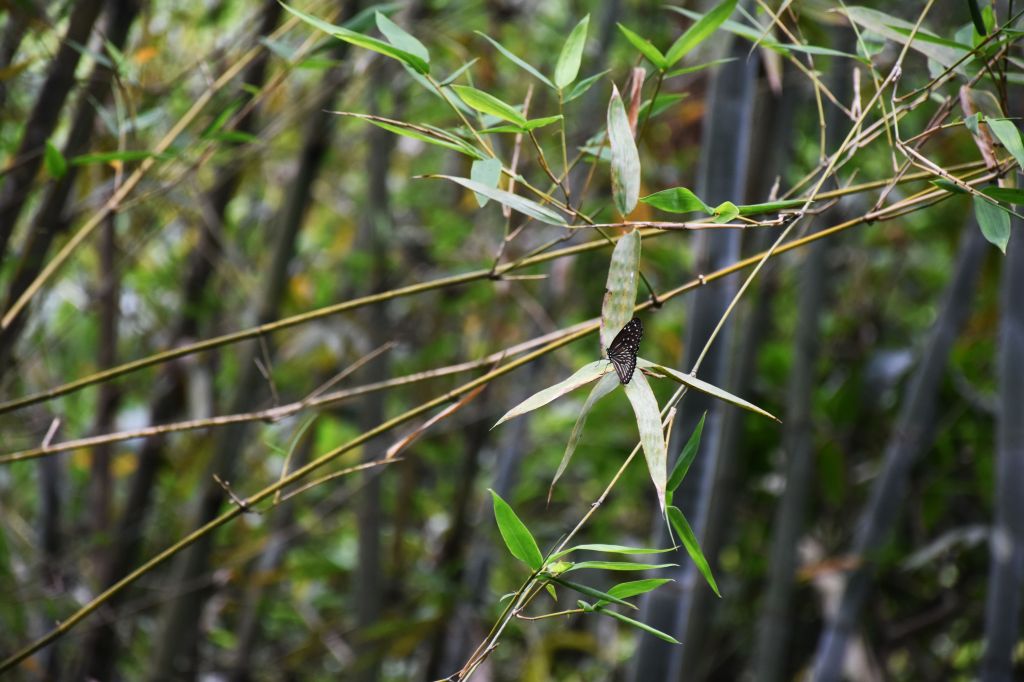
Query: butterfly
x: 622, y: 352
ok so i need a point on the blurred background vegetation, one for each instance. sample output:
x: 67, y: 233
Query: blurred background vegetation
x: 180, y: 166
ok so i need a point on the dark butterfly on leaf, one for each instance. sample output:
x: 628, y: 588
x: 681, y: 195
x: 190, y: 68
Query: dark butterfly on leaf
x: 622, y: 352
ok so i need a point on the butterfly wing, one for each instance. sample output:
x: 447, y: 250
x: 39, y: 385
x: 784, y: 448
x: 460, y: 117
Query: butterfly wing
x: 623, y: 349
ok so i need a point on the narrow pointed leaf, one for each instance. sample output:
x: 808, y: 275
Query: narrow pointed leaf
x: 617, y: 566
x: 633, y: 588
x: 637, y: 624
x: 517, y: 536
x: 689, y: 540
x: 610, y: 549
x: 584, y: 375
x: 583, y: 86
x: 771, y: 206
x: 591, y: 592
x: 568, y: 65
x: 621, y: 286
x: 652, y: 437
x: 686, y: 457
x: 625, y: 159
x: 994, y: 222
x: 645, y: 47
x: 535, y: 123
x: 421, y: 133
x: 415, y: 62
x: 513, y: 201
x: 1008, y: 134
x: 401, y: 39
x: 603, y: 387
x: 489, y: 104
x: 518, y: 61
x: 705, y: 387
x: 1009, y: 195
x: 486, y: 172
x: 677, y: 200
x: 698, y: 67
x: 697, y: 33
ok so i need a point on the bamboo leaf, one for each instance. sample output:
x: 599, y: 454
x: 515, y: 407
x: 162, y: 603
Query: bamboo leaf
x: 568, y: 65
x: 415, y: 62
x: 994, y: 222
x: 605, y: 385
x: 698, y: 67
x: 632, y: 588
x: 513, y: 201
x: 518, y: 61
x: 677, y: 200
x: 617, y: 566
x: 54, y: 162
x: 725, y: 212
x: 517, y: 536
x: 697, y: 33
x: 591, y: 592
x: 584, y: 375
x: 770, y: 207
x: 652, y: 437
x: 646, y: 48
x: 686, y: 458
x: 1009, y: 136
x: 689, y: 540
x: 637, y: 624
x: 486, y: 172
x: 489, y: 104
x: 401, y: 39
x: 705, y: 387
x: 1009, y: 195
x: 583, y: 86
x: 610, y: 549
x: 625, y: 159
x: 621, y: 286
x: 422, y: 133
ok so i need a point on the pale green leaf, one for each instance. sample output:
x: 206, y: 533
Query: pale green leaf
x: 401, y: 39
x: 625, y: 159
x: 422, y: 133
x: 610, y: 549
x: 605, y: 385
x: 581, y: 377
x: 652, y: 437
x: 591, y: 592
x: 513, y: 201
x: 637, y: 624
x: 686, y: 457
x: 632, y: 588
x: 583, y: 86
x: 517, y: 536
x: 645, y: 47
x: 1009, y: 136
x: 725, y: 212
x: 994, y: 222
x: 620, y: 287
x: 677, y: 200
x: 704, y: 387
x: 486, y: 172
x: 617, y: 566
x: 518, y: 61
x: 568, y: 65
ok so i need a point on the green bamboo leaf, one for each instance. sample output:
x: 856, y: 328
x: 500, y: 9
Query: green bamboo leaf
x: 632, y: 588
x: 646, y: 48
x: 899, y: 31
x: 535, y: 123
x: 583, y: 86
x: 677, y: 200
x: 54, y: 162
x: 661, y: 104
x: 994, y: 222
x: 517, y: 536
x: 705, y: 387
x: 610, y: 549
x: 686, y: 457
x: 415, y: 62
x: 591, y: 592
x: 568, y: 65
x: 621, y: 286
x: 603, y: 387
x: 401, y: 39
x: 689, y: 540
x: 697, y: 33
x: 617, y: 566
x: 1009, y: 136
x: 518, y: 61
x: 770, y: 207
x: 698, y: 67
x: 637, y: 624
x: 625, y: 159
x: 584, y: 375
x: 652, y: 437
x: 725, y: 212
x: 486, y: 172
x: 489, y: 104
x: 422, y: 133
x: 513, y: 201
x: 458, y: 72
x: 1009, y: 195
